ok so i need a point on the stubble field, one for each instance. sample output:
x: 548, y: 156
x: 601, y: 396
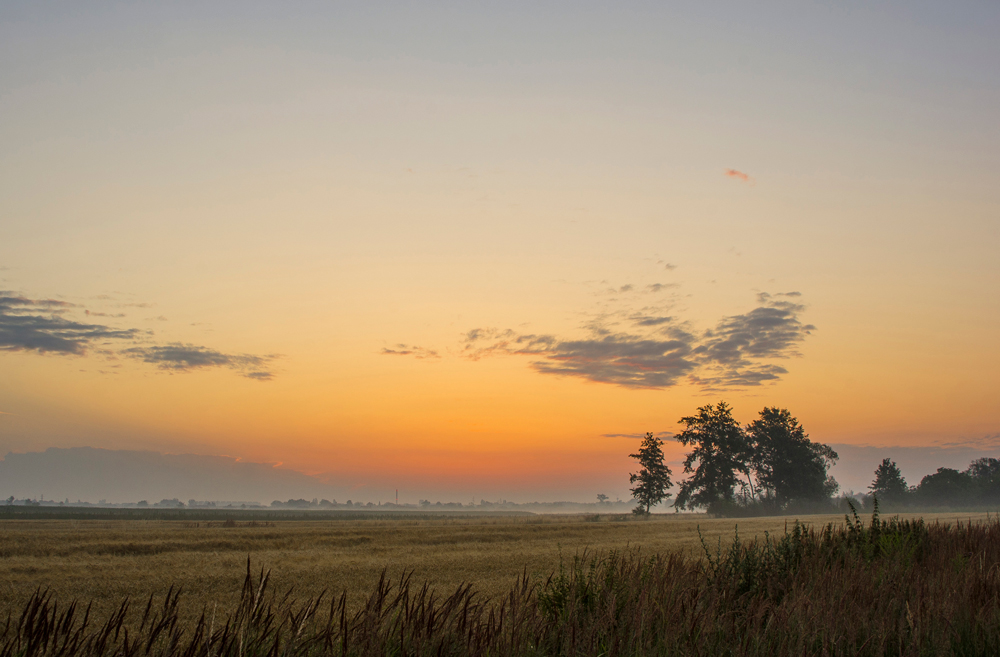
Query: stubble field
x: 108, y: 560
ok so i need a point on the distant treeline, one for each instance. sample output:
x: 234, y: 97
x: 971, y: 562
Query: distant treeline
x: 221, y: 516
x: 172, y: 503
x: 771, y: 467
x: 602, y: 505
x: 978, y: 485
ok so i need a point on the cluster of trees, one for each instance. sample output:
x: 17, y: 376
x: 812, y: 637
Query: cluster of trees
x: 766, y: 466
x: 770, y: 466
x: 979, y: 485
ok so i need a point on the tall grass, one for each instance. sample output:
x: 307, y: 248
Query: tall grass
x: 879, y: 588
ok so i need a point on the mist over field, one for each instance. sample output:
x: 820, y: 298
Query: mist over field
x: 118, y: 476
x: 92, y: 475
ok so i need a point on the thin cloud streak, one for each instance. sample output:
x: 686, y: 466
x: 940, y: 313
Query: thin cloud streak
x: 410, y: 350
x: 179, y: 357
x: 639, y: 436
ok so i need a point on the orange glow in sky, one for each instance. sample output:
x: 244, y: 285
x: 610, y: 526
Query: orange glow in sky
x: 473, y: 252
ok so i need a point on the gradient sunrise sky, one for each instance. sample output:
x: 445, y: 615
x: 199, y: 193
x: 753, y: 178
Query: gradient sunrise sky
x: 473, y: 250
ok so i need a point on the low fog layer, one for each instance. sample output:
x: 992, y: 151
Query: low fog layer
x: 91, y: 475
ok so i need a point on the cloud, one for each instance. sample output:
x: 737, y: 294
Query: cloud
x: 732, y: 352
x: 620, y: 359
x: 480, y: 343
x: 988, y: 441
x: 769, y: 331
x: 37, y: 325
x: 650, y: 320
x: 89, y: 313
x: 410, y: 350
x: 660, y: 351
x: 41, y: 326
x: 662, y: 435
x: 738, y: 175
x: 181, y: 357
x: 659, y: 287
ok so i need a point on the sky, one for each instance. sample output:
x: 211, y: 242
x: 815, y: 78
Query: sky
x: 473, y: 251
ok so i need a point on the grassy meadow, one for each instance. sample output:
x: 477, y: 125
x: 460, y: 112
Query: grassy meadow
x: 105, y: 561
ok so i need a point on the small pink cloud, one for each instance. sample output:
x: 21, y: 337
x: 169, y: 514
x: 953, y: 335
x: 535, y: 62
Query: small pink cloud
x: 738, y: 175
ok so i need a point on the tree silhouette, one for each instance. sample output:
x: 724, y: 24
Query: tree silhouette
x: 721, y: 452
x: 654, y: 477
x: 889, y: 485
x: 985, y: 475
x: 946, y: 486
x: 786, y: 464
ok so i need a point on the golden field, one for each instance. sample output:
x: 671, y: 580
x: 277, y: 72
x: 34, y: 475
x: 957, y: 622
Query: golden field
x: 108, y: 560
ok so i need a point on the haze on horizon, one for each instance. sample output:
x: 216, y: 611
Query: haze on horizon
x: 474, y: 251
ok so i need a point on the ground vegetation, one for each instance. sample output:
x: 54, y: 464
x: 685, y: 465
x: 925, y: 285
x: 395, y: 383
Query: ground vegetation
x: 897, y: 587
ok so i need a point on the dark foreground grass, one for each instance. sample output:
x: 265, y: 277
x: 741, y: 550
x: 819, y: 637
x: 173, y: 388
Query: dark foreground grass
x: 883, y: 588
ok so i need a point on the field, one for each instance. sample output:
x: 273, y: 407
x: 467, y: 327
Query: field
x: 108, y: 560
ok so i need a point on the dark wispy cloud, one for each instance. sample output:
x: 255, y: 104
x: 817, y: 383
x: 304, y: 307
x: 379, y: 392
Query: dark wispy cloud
x: 409, y: 350
x: 659, y: 287
x: 39, y: 325
x: 621, y: 359
x: 651, y: 320
x: 45, y: 326
x: 181, y: 357
x: 734, y: 352
x: 659, y: 351
x: 481, y: 343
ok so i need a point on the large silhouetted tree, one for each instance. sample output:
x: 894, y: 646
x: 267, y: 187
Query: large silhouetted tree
x: 653, y: 478
x: 889, y: 485
x: 720, y: 456
x: 785, y: 463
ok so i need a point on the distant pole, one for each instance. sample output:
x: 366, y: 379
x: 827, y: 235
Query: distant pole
x: 397, y: 497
